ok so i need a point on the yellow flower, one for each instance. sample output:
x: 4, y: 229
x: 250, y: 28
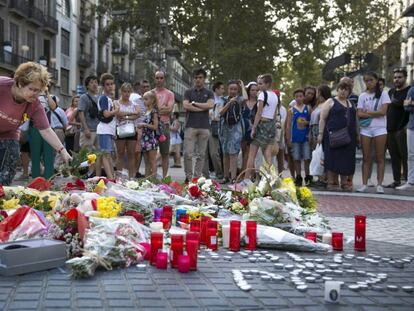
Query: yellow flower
x: 107, y: 207
x: 11, y: 203
x: 306, y: 199
x: 289, y: 185
x: 91, y: 158
x: 100, y: 186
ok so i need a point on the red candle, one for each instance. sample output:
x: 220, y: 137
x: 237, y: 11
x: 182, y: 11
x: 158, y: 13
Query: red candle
x: 195, y: 226
x: 192, y: 236
x: 185, y: 218
x: 251, y: 235
x: 337, y: 241
x: 147, y: 247
x: 234, y: 244
x: 162, y: 260
x: 183, y: 263
x: 212, y: 239
x: 360, y: 230
x: 167, y: 212
x: 177, y: 244
x: 156, y: 245
x: 310, y: 236
x: 166, y: 223
x: 192, y: 252
x: 203, y: 229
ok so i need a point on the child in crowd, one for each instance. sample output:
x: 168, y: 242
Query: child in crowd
x: 149, y: 141
x: 297, y: 136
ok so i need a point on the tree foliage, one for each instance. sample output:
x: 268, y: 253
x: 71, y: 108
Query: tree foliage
x: 243, y: 38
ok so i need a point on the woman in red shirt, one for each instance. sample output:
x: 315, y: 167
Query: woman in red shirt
x: 18, y: 102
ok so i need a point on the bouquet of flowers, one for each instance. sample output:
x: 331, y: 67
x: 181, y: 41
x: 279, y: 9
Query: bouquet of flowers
x: 109, y: 243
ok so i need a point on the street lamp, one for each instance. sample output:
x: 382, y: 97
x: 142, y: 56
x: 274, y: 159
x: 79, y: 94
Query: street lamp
x: 25, y: 49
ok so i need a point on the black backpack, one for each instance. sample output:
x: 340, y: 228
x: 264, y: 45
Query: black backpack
x: 234, y: 114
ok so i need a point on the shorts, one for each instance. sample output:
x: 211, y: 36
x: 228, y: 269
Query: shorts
x: 90, y: 143
x: 165, y: 145
x: 265, y: 134
x: 373, y: 131
x: 106, y: 143
x: 300, y: 151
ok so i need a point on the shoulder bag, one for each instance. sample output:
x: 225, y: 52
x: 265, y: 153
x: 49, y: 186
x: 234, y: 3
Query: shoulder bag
x: 367, y: 121
x: 341, y: 137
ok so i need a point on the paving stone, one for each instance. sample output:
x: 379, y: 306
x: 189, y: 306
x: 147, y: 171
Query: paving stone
x: 58, y: 295
x: 57, y: 303
x: 244, y: 302
x: 273, y: 302
x: 302, y: 301
x: 26, y: 296
x: 120, y: 303
x: 89, y: 303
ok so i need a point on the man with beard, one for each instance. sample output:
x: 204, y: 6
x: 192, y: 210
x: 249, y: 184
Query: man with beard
x: 397, y: 119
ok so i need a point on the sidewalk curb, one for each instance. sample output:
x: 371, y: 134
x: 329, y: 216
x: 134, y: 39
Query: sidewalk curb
x: 366, y: 195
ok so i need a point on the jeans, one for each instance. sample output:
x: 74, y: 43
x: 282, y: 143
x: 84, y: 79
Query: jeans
x: 397, y: 146
x: 213, y: 150
x: 195, y: 145
x: 9, y: 156
x: 410, y: 145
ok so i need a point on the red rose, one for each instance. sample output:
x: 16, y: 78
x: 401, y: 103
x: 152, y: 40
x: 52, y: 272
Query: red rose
x: 72, y: 214
x: 1, y: 191
x: 194, y: 191
x: 194, y: 180
x: 80, y: 184
x: 244, y: 201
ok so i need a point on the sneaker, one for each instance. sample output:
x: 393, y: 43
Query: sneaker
x: 363, y: 188
x: 370, y: 183
x: 407, y: 187
x: 395, y: 184
x: 380, y: 189
x: 298, y: 181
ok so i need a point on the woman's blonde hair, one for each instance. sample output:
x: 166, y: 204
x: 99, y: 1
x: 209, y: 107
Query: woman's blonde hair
x: 30, y: 72
x: 125, y: 87
x: 154, y: 98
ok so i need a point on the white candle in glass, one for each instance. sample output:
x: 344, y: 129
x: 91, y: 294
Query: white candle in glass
x: 226, y: 235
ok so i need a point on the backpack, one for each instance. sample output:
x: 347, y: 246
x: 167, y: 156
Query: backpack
x: 234, y: 114
x: 101, y: 116
x: 93, y: 109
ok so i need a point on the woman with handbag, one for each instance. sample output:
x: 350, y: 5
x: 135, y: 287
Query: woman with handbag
x: 339, y: 135
x: 372, y: 111
x: 126, y: 136
x: 231, y: 130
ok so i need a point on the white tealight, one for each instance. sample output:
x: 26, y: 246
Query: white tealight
x: 320, y: 266
x: 299, y: 259
x: 363, y: 286
x: 326, y: 278
x: 385, y: 259
x: 229, y: 253
x: 310, y: 279
x: 215, y: 257
x: 245, y: 271
x: 377, y: 288
x: 309, y: 265
x: 318, y: 260
x: 264, y: 252
x: 346, y: 265
x: 350, y: 271
x: 299, y: 283
x: 338, y: 272
x: 248, y: 276
x: 141, y: 267
x: 261, y: 259
x: 289, y: 267
x: 268, y: 256
x: 302, y: 288
x: 248, y: 251
x: 277, y: 278
x: 407, y: 289
x: 265, y: 278
x: 246, y: 288
x: 257, y: 255
x: 306, y: 273
x: 274, y: 259
x: 392, y: 288
x: 360, y: 258
x: 354, y: 287
x: 300, y: 266
x: 278, y: 266
x: 252, y: 259
x: 372, y: 275
x: 328, y: 271
x: 201, y: 257
x: 244, y: 255
x: 360, y: 272
x: 316, y: 275
x: 255, y: 271
x: 333, y: 266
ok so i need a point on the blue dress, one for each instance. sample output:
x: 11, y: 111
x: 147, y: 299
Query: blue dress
x: 231, y: 135
x: 340, y: 160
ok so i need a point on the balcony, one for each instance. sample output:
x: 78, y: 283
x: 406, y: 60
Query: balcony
x: 11, y: 60
x: 85, y: 24
x: 50, y: 24
x: 120, y: 49
x: 409, y: 11
x: 404, y: 35
x: 85, y: 60
x: 102, y: 68
x: 19, y: 8
x: 36, y: 16
x: 54, y: 74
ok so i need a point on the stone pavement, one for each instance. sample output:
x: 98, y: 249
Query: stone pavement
x: 212, y: 287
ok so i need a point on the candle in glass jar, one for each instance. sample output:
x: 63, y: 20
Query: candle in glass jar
x: 234, y: 243
x: 225, y: 230
x: 157, y: 214
x: 156, y: 245
x: 177, y: 244
x: 162, y: 260
x: 212, y: 239
x: 166, y: 222
x: 310, y: 236
x: 251, y: 235
x: 185, y: 218
x: 203, y: 229
x: 183, y: 263
x: 190, y: 235
x: 327, y: 238
x: 167, y: 212
x: 337, y: 241
x: 191, y: 247
x: 156, y: 226
x: 195, y: 226
x: 147, y: 248
x: 178, y: 213
x: 360, y: 230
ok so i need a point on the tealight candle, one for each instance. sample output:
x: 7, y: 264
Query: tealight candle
x: 226, y: 235
x: 337, y: 241
x: 156, y: 245
x: 156, y: 226
x: 192, y: 251
x: 162, y: 260
x: 234, y: 243
x: 183, y: 263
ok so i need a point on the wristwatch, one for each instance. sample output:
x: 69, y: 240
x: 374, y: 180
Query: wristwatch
x: 193, y: 103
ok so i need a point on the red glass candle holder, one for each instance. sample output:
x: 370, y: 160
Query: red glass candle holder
x: 203, y: 229
x: 167, y: 212
x: 192, y: 252
x: 166, y: 223
x: 162, y: 260
x: 360, y: 231
x: 234, y: 244
x: 212, y: 224
x: 183, y: 263
x: 190, y: 235
x: 177, y: 245
x: 251, y: 235
x: 310, y: 236
x: 185, y: 218
x: 195, y: 226
x: 337, y: 241
x: 147, y: 247
x: 157, y: 214
x: 156, y: 245
x: 212, y: 238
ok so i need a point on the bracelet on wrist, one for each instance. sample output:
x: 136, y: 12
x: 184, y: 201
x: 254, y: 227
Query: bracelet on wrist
x: 60, y: 149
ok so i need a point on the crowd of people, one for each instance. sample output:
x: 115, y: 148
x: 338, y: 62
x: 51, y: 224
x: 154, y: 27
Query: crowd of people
x: 230, y: 129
